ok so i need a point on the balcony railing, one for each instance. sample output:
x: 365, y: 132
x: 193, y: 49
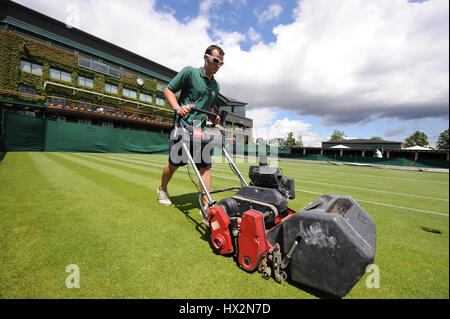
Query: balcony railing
x: 84, y: 107
x: 22, y: 96
x: 56, y: 102
x: 98, y: 95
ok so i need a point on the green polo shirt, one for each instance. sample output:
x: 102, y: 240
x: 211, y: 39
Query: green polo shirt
x: 195, y: 88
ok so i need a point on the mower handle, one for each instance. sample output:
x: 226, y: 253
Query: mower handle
x: 211, y: 115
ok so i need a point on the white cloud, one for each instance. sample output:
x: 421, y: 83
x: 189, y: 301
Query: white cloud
x: 281, y: 128
x: 346, y: 61
x: 349, y: 61
x: 262, y: 118
x: 266, y: 125
x: 253, y: 35
x: 272, y: 12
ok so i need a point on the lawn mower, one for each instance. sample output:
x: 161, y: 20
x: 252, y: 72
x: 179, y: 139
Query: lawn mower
x: 327, y: 245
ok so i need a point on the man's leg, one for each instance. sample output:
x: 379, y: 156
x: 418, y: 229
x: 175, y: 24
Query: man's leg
x: 163, y: 194
x: 206, y: 177
x: 167, y: 174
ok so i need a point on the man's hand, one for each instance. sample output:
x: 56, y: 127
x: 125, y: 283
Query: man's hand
x: 217, y: 120
x: 184, y: 110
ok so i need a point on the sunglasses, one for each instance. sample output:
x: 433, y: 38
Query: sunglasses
x: 215, y: 60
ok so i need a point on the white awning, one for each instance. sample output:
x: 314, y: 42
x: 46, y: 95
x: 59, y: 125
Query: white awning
x: 418, y: 148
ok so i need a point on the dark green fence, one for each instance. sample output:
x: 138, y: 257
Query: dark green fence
x: 24, y: 133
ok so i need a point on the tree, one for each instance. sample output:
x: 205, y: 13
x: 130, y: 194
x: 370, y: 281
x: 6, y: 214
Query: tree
x: 443, y: 142
x: 337, y: 136
x: 417, y: 138
x: 290, y: 141
x: 376, y: 138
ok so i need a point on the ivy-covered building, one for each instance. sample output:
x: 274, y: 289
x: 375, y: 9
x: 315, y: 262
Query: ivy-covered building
x: 64, y: 89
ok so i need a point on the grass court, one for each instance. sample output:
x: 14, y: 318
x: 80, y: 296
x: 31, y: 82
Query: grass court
x: 100, y: 212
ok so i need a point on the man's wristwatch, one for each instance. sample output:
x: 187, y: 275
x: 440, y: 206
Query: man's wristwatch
x: 176, y: 110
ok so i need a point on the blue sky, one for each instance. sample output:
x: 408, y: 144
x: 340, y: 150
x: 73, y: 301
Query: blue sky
x: 240, y: 16
x: 368, y: 68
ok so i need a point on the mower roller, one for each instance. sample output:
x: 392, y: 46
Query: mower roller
x: 326, y: 245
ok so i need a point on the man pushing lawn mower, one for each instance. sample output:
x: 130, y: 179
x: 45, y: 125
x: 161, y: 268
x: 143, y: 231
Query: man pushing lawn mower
x: 327, y: 245
x: 199, y: 90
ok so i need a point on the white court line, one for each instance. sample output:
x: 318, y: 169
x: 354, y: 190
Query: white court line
x: 373, y: 176
x: 374, y: 190
x: 382, y: 204
x: 357, y: 200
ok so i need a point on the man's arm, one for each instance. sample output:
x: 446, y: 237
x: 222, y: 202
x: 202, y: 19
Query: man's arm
x: 217, y: 119
x: 172, y: 99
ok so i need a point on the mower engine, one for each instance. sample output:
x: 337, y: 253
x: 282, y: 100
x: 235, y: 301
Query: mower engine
x: 327, y: 245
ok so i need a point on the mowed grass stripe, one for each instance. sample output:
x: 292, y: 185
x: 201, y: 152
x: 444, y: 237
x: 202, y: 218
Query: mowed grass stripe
x: 372, y: 190
x: 382, y: 204
x: 380, y: 189
x: 332, y: 188
x: 184, y: 249
x: 139, y: 244
x: 395, y: 228
x: 59, y: 205
x: 181, y: 173
x: 414, y: 188
x: 79, y: 208
x: 23, y: 245
x: 381, y: 173
x: 96, y: 237
x: 141, y: 175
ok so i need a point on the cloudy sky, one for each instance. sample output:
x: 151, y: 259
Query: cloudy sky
x: 365, y: 67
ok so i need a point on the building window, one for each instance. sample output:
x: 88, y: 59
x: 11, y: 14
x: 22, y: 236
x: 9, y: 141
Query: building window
x: 146, y: 97
x: 85, y: 81
x: 114, y: 72
x: 31, y: 67
x: 60, y: 75
x: 160, y: 101
x: 239, y: 110
x: 111, y: 88
x: 226, y: 108
x: 27, y: 89
x: 100, y: 67
x: 129, y: 93
x: 85, y: 63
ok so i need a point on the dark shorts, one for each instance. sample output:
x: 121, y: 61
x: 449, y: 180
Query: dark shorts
x: 178, y: 158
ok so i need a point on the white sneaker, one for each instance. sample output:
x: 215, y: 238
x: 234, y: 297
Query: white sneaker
x: 163, y: 197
